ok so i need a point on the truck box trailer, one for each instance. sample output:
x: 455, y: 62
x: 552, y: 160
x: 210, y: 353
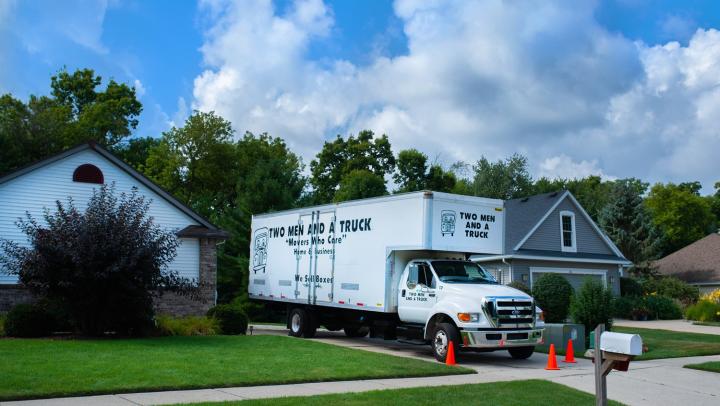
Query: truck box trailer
x: 394, y: 264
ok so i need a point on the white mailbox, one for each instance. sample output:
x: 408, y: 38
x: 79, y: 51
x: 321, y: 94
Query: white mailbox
x: 619, y: 343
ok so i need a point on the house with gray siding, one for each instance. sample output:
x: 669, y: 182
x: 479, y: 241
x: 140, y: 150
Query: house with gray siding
x: 76, y: 174
x: 552, y: 233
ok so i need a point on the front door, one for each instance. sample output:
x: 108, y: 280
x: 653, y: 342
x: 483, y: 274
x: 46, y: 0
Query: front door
x: 416, y: 295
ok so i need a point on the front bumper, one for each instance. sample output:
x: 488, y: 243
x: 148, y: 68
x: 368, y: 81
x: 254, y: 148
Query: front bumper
x: 501, y: 338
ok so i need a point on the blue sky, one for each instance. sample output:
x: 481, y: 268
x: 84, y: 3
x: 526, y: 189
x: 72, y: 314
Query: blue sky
x: 578, y: 90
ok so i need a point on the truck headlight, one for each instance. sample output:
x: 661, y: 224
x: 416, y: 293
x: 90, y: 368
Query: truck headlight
x: 540, y: 316
x: 468, y: 317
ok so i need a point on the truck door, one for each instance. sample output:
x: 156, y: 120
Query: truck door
x: 416, y: 294
x: 315, y: 256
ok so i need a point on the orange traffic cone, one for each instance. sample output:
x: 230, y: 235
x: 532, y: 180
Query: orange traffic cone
x: 552, y: 362
x: 450, y: 358
x: 569, y: 353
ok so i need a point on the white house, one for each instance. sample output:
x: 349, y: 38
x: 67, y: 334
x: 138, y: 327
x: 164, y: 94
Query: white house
x: 76, y: 173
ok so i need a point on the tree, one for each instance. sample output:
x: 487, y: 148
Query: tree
x: 360, y: 184
x: 136, y: 151
x: 340, y: 157
x: 626, y: 221
x: 412, y: 174
x: 553, y: 293
x: 715, y: 203
x: 197, y: 162
x: 592, y: 305
x: 75, y: 112
x: 681, y: 215
x: 103, y: 265
x: 506, y: 179
x: 591, y: 192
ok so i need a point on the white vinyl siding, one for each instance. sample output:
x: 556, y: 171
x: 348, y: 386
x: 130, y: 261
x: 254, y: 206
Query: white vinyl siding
x: 42, y: 187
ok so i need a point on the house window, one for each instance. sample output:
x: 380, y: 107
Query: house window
x: 87, y: 173
x: 567, y: 231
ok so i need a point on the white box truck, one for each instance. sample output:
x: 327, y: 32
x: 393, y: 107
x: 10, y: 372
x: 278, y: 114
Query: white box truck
x: 396, y: 266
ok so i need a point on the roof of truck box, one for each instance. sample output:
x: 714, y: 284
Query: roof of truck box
x: 398, y: 196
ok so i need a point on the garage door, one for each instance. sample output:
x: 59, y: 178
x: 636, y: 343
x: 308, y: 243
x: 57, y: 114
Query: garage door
x: 576, y: 277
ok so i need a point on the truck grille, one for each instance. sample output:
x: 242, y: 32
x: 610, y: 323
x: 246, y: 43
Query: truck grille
x: 510, y: 312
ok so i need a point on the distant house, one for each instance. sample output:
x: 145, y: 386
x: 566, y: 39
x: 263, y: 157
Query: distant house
x: 77, y: 173
x: 552, y: 233
x: 697, y: 264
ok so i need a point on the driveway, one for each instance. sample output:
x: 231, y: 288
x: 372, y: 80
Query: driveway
x: 656, y: 382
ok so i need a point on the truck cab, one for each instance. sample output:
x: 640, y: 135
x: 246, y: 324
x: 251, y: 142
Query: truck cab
x: 459, y: 301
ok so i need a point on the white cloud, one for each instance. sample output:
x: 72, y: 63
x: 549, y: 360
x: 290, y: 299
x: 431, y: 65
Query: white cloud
x: 563, y: 167
x: 480, y: 78
x: 139, y: 88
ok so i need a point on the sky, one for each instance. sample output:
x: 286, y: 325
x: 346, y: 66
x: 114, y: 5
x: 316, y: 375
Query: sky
x: 617, y: 88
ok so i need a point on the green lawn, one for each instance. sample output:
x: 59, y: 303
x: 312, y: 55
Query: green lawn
x: 42, y: 368
x: 707, y: 323
x: 672, y: 344
x: 515, y: 393
x: 712, y: 366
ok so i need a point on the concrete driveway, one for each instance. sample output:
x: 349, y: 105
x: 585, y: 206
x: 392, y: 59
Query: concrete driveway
x: 683, y: 326
x: 657, y: 382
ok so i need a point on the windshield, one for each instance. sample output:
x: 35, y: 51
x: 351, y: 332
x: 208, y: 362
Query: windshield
x: 462, y: 272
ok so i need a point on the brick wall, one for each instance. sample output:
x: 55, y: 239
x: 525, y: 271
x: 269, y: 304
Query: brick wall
x: 169, y: 303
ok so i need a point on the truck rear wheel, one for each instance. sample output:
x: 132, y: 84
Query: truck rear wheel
x: 301, y: 323
x: 521, y: 352
x: 441, y: 338
x: 361, y: 331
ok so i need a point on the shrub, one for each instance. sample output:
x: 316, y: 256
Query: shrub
x: 28, y: 320
x: 630, y: 287
x: 2, y: 325
x: 103, y: 264
x: 713, y: 296
x: 187, y: 326
x: 663, y: 308
x: 592, y: 305
x: 673, y: 288
x: 703, y: 310
x: 625, y: 305
x: 231, y: 317
x: 520, y: 286
x: 552, y: 294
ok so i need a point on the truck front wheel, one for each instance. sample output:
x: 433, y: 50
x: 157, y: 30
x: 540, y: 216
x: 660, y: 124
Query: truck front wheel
x: 521, y: 352
x: 301, y: 323
x: 443, y: 335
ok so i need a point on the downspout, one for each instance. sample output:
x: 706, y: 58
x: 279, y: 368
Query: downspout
x: 504, y: 261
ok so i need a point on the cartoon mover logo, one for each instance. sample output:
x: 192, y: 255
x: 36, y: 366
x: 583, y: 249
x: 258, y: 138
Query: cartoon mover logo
x: 260, y: 250
x: 447, y: 222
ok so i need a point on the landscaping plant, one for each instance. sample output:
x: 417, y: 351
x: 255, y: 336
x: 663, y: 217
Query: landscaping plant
x: 673, y: 288
x: 552, y: 294
x: 704, y: 310
x: 592, y: 305
x: 28, y: 320
x: 519, y: 285
x: 231, y: 317
x: 103, y: 264
x: 187, y: 326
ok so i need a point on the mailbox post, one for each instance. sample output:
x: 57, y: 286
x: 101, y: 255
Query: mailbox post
x: 612, y: 351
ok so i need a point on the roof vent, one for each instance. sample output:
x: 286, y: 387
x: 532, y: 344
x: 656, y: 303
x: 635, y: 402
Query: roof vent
x: 553, y: 194
x: 524, y: 199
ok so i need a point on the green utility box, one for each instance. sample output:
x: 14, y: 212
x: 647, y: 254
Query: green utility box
x: 560, y: 333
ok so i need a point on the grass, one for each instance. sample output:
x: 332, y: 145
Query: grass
x: 515, y: 393
x: 707, y: 323
x: 672, y: 344
x: 41, y: 368
x: 712, y: 366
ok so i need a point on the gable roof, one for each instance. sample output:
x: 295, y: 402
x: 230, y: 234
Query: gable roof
x: 525, y: 215
x: 698, y: 262
x: 212, y: 230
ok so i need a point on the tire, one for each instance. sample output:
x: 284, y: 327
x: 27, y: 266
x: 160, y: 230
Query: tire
x: 441, y: 337
x: 521, y: 352
x: 301, y: 323
x: 356, y: 332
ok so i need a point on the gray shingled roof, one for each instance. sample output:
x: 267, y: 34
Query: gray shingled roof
x: 521, y: 215
x: 699, y: 262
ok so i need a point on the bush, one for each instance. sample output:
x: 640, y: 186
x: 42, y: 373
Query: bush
x: 592, y: 305
x: 231, y: 317
x: 703, y: 310
x: 2, y: 325
x: 29, y: 320
x: 187, y: 326
x: 630, y: 287
x: 520, y: 286
x: 552, y: 294
x: 103, y: 263
x: 673, y: 288
x: 625, y: 306
x: 713, y: 296
x: 663, y: 308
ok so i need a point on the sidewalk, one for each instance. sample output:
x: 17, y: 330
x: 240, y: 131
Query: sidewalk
x: 682, y: 326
